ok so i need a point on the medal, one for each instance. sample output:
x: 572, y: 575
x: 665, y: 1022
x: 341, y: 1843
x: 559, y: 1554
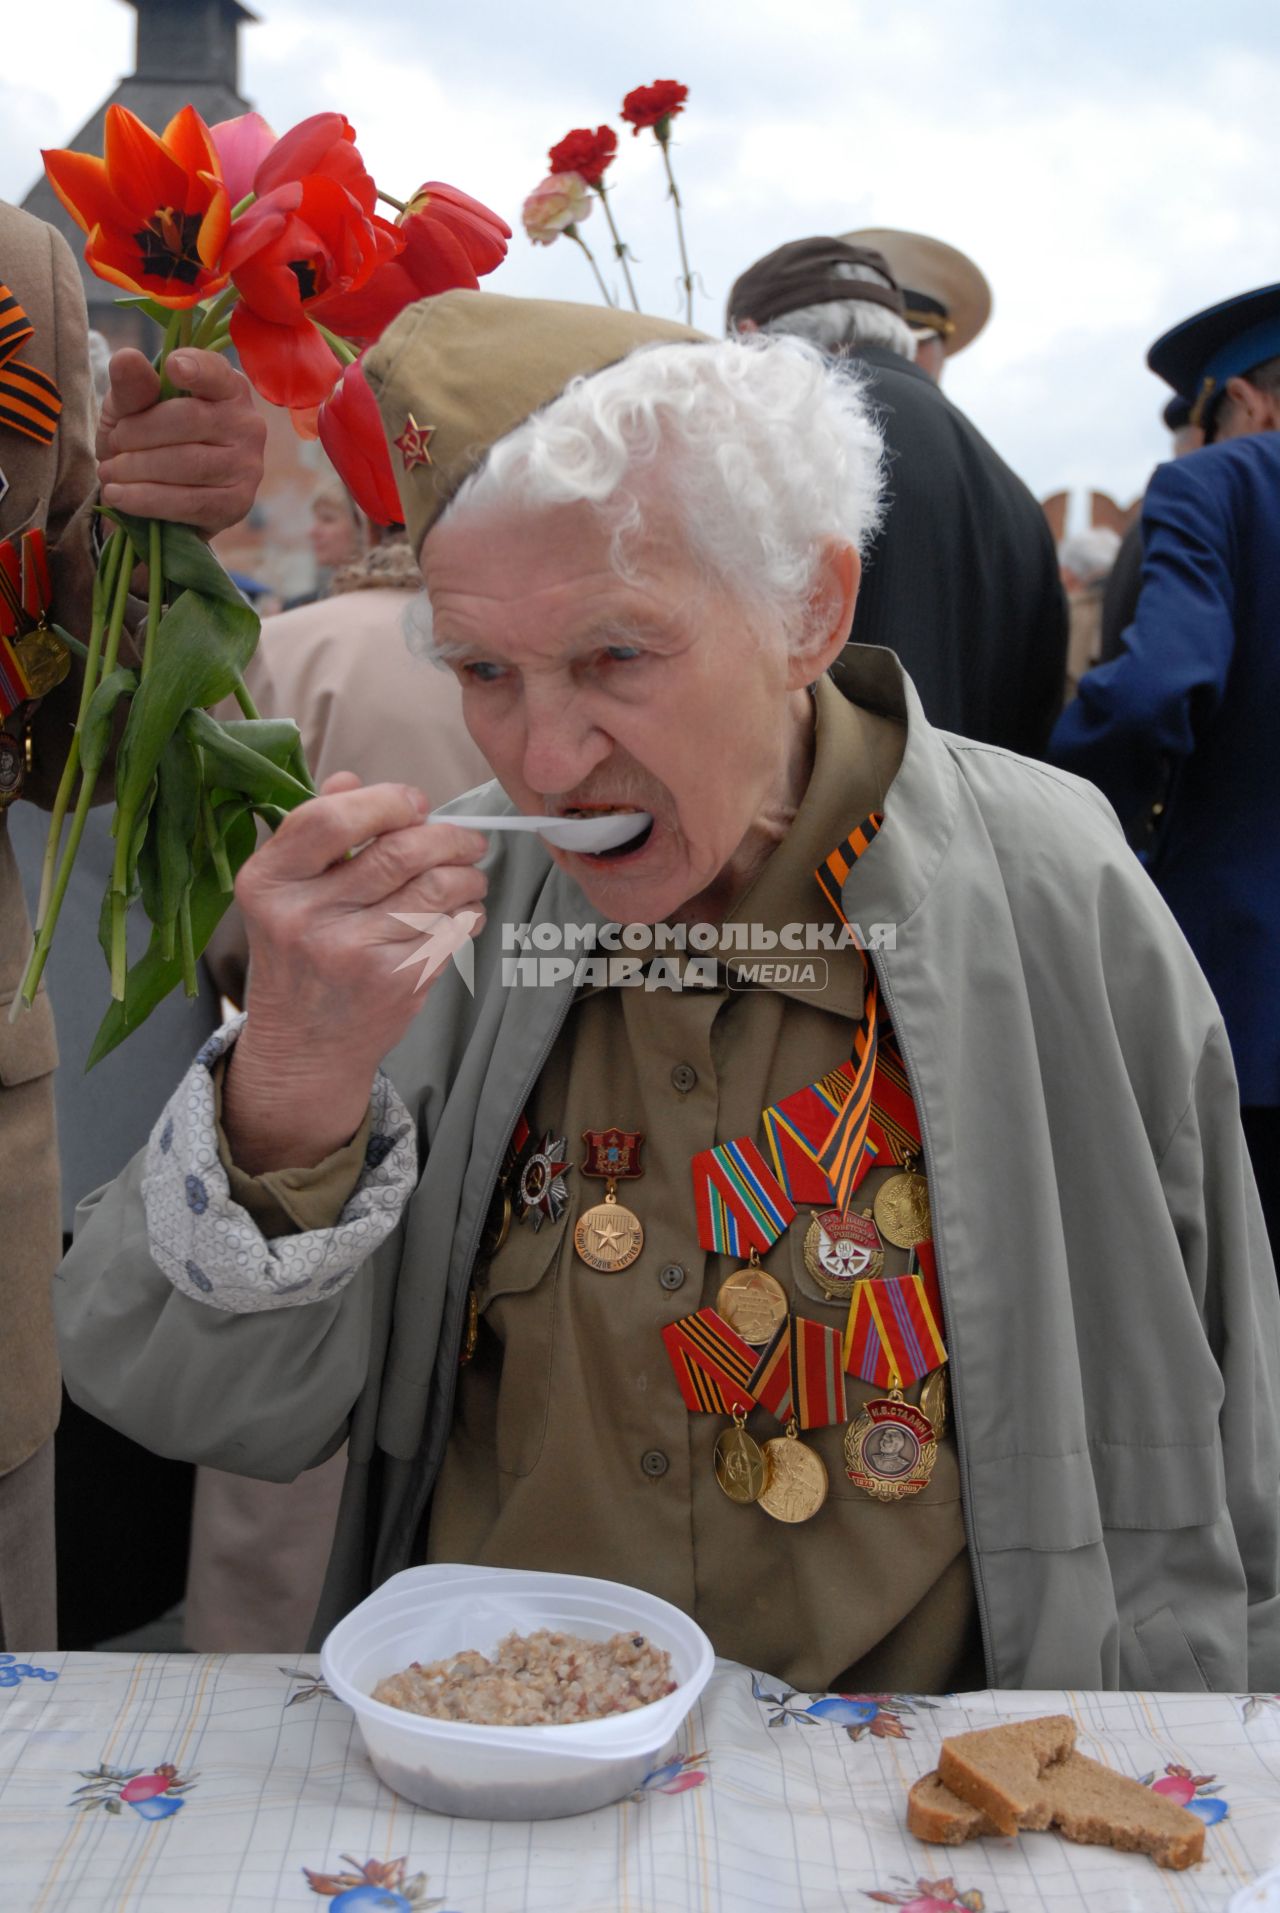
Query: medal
x: 541, y: 1194
x: 471, y: 1329
x: 12, y: 768
x: 44, y: 658
x: 795, y: 1479
x: 841, y: 1250
x: 933, y: 1400
x: 497, y: 1223
x: 609, y: 1236
x: 752, y: 1303
x: 889, y: 1451
x: 902, y: 1208
x: 740, y: 1463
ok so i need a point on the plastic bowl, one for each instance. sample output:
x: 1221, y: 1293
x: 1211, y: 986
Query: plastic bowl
x: 507, y: 1773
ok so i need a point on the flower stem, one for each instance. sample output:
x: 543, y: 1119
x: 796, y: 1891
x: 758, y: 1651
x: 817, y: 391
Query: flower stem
x: 217, y: 849
x: 618, y: 246
x: 388, y: 200
x: 571, y: 232
x: 215, y: 317
x: 687, y: 280
x: 171, y: 332
x: 102, y: 596
x: 240, y: 691
x: 243, y: 205
x: 345, y: 354
x: 84, y: 797
x: 155, y: 591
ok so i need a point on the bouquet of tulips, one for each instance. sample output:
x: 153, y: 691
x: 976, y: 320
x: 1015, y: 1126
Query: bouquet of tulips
x: 227, y: 237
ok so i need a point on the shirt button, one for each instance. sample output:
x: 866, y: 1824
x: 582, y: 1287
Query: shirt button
x: 672, y: 1277
x: 683, y: 1077
x: 654, y: 1463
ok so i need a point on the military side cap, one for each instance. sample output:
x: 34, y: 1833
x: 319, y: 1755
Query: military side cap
x: 455, y: 373
x: 943, y: 290
x: 803, y: 273
x: 1198, y: 357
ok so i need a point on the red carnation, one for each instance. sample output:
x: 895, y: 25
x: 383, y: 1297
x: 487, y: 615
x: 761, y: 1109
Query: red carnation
x: 654, y: 106
x: 585, y: 152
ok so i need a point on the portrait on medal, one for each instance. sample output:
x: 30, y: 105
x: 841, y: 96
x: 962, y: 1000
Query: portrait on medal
x: 891, y: 1450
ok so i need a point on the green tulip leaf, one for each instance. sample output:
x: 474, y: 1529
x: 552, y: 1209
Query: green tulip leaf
x: 155, y: 974
x: 95, y: 731
x: 202, y: 645
x: 235, y: 765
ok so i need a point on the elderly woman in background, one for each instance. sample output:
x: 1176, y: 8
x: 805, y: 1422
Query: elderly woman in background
x: 979, y: 1123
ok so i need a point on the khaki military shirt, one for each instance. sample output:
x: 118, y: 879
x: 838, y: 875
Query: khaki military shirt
x: 572, y: 1448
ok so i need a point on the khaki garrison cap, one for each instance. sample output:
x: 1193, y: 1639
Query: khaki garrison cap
x: 457, y: 372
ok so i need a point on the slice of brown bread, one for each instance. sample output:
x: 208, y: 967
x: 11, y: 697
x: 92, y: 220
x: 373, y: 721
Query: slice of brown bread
x: 934, y: 1814
x: 1098, y: 1808
x: 1075, y: 1796
x: 998, y: 1769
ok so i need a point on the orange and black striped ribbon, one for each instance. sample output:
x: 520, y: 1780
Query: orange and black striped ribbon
x: 840, y: 1156
x: 29, y: 400
x: 712, y: 1363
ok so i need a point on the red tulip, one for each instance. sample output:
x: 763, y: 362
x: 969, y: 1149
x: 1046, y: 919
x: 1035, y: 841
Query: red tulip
x: 450, y: 240
x: 323, y: 144
x: 242, y: 145
x: 155, y: 207
x: 352, y: 435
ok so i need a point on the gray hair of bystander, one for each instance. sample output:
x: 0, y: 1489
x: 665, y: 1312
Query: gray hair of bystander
x: 844, y: 325
x: 768, y: 452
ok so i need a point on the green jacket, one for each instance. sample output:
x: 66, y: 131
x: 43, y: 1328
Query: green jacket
x: 1112, y: 1310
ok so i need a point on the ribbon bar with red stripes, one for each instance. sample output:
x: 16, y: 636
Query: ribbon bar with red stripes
x: 740, y: 1204
x: 712, y: 1363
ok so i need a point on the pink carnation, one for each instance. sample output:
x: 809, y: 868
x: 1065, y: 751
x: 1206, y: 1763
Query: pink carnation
x: 562, y: 200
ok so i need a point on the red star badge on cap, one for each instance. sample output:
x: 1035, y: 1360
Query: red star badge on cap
x: 414, y: 441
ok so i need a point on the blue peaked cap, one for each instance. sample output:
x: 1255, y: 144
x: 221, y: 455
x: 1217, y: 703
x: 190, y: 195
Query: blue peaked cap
x: 1198, y: 356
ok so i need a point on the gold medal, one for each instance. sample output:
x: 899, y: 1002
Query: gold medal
x: 795, y: 1478
x: 471, y: 1329
x: 740, y: 1464
x: 44, y: 658
x: 752, y: 1303
x: 12, y: 768
x: 497, y: 1224
x: 902, y: 1208
x: 889, y: 1451
x: 608, y: 1237
x: 841, y: 1250
x: 933, y: 1400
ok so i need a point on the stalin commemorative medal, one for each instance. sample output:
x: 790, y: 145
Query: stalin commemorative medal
x: 902, y: 1208
x: 541, y: 1194
x: 889, y: 1451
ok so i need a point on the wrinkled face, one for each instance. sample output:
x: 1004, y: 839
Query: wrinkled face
x: 582, y: 689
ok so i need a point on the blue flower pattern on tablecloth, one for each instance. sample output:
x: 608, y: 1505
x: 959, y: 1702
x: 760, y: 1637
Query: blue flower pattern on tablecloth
x: 13, y: 1671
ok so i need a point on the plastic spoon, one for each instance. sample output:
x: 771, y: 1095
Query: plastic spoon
x: 566, y: 833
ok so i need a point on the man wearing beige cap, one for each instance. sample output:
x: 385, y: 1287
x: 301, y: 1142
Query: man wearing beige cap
x: 947, y: 299
x: 707, y: 1150
x: 962, y: 578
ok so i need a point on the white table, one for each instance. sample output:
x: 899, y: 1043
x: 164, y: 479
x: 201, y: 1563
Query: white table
x: 782, y: 1803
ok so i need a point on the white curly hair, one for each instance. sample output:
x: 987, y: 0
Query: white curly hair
x: 768, y: 450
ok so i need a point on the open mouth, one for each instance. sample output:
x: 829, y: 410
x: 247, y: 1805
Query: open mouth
x: 630, y: 848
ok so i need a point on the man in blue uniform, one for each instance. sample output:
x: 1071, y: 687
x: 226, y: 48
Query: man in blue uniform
x: 1179, y: 729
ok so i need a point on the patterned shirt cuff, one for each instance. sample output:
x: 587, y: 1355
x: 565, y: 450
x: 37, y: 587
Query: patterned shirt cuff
x: 212, y: 1250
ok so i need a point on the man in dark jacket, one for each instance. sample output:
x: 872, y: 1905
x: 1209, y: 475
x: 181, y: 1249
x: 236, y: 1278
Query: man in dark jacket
x: 962, y: 580
x: 1179, y: 730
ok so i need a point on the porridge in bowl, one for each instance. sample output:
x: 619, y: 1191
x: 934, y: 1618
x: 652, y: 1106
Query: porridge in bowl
x: 545, y: 1679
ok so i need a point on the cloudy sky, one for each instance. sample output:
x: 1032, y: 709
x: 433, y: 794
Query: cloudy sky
x: 1111, y: 164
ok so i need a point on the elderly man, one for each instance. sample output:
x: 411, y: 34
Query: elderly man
x: 641, y: 1240
x: 962, y: 579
